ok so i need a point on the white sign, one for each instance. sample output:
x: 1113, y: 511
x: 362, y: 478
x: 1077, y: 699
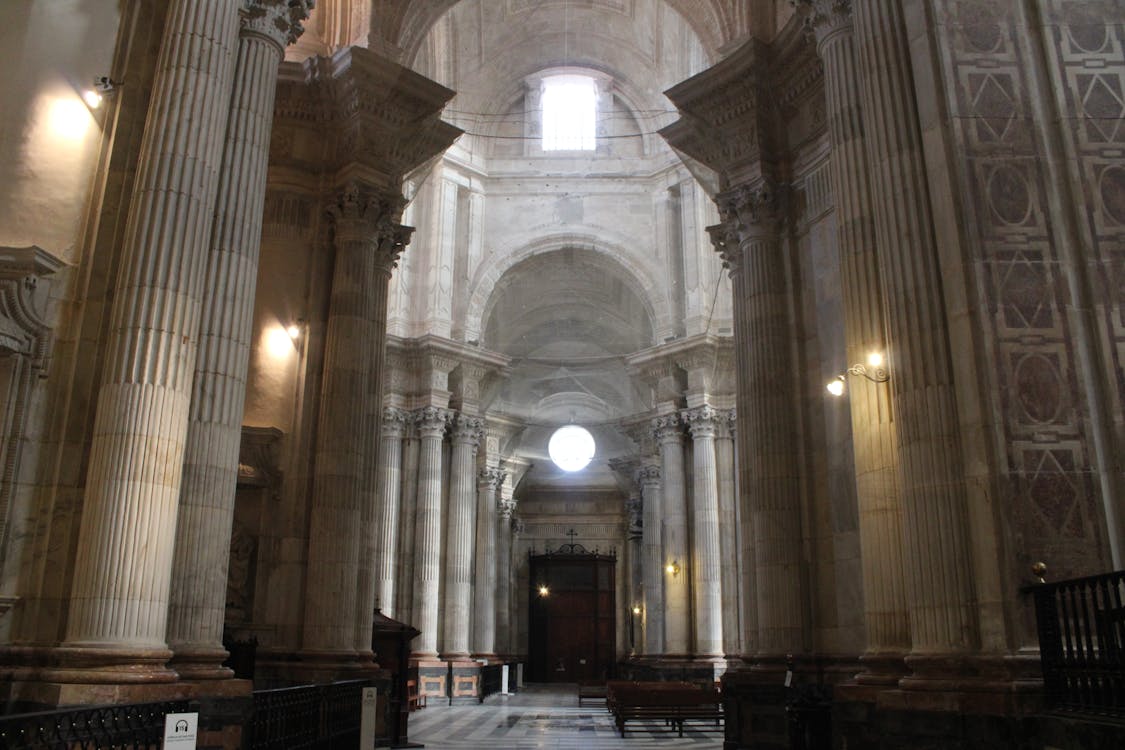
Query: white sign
x: 504, y: 679
x: 367, y: 719
x: 181, y: 730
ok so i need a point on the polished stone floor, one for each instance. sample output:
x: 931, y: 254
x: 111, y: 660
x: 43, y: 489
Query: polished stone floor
x: 543, y: 717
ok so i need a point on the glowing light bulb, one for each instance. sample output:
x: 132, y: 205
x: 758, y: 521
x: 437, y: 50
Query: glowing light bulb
x: 93, y: 98
x: 875, y: 359
x: 836, y: 386
x: 294, y: 331
x: 543, y: 591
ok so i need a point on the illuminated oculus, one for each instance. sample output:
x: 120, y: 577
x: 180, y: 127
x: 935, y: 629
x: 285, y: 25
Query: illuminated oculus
x: 571, y: 447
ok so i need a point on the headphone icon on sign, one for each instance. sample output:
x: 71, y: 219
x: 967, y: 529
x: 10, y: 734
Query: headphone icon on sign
x: 181, y: 726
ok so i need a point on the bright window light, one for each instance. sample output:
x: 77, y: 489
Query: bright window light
x: 571, y: 447
x: 569, y: 113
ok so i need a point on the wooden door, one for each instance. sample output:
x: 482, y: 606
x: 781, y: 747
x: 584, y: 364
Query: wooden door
x: 572, y: 634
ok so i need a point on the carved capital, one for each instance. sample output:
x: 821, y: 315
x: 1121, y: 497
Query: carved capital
x: 431, y: 421
x: 724, y: 425
x: 360, y: 214
x: 278, y: 21
x: 648, y: 476
x: 491, y: 478
x: 634, y: 508
x: 702, y: 421
x: 667, y: 429
x: 824, y: 18
x: 394, y: 423
x: 466, y: 429
x: 724, y: 239
x: 506, y: 506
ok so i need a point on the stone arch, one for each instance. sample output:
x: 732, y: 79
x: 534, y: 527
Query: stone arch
x: 634, y: 271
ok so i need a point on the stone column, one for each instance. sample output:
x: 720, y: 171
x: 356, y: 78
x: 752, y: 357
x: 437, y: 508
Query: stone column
x: 466, y: 433
x: 197, y: 608
x: 706, y: 578
x: 876, y: 457
x: 652, y: 499
x: 634, y: 510
x: 408, y: 505
x: 485, y: 579
x: 118, y: 612
x: 368, y: 241
x: 427, y: 531
x: 669, y: 434
x: 504, y: 509
x: 389, y: 490
x: 769, y: 478
x: 728, y: 534
x: 931, y: 478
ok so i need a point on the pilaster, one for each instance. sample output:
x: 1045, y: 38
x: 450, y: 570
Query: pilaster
x: 705, y: 550
x: 489, y: 481
x: 431, y: 422
x: 466, y: 433
x: 676, y: 563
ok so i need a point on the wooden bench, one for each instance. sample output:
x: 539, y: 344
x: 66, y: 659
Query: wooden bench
x: 414, y: 701
x: 673, y: 704
x: 591, y: 691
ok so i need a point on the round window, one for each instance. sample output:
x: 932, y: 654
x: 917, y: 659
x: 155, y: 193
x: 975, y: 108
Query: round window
x: 571, y: 447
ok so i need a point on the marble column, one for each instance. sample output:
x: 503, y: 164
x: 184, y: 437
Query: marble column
x: 652, y: 542
x: 706, y: 580
x: 431, y: 423
x: 770, y: 475
x: 728, y: 535
x: 408, y: 504
x: 197, y: 609
x: 389, y: 491
x: 466, y: 434
x: 876, y: 456
x: 368, y: 241
x: 634, y: 551
x: 484, y: 577
x: 504, y: 509
x: 118, y: 612
x: 669, y: 433
x: 938, y: 569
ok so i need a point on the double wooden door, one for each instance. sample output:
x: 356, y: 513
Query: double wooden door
x: 572, y: 622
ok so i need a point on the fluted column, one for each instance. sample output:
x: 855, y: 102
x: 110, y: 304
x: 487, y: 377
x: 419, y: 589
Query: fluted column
x: 466, y: 433
x: 389, y: 490
x: 120, y: 596
x: 652, y: 500
x: 677, y: 604
x: 367, y: 242
x: 634, y: 556
x: 484, y: 578
x: 931, y: 477
x: 770, y: 474
x: 876, y: 455
x: 505, y: 506
x: 706, y: 581
x: 728, y: 534
x: 197, y: 608
x: 427, y: 530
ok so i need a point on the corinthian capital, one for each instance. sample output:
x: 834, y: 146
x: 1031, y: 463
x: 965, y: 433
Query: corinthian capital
x: 667, y: 429
x: 702, y: 421
x: 491, y: 478
x: 362, y: 214
x: 279, y: 21
x: 467, y: 429
x: 824, y: 18
x: 431, y: 421
x: 724, y: 238
x: 394, y: 422
x: 506, y: 506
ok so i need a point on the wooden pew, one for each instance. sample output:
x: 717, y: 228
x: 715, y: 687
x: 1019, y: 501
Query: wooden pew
x: 669, y: 702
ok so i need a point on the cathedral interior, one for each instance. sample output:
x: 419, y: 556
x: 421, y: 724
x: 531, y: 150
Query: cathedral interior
x: 294, y: 296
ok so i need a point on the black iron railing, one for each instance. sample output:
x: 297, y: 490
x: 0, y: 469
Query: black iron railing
x: 136, y: 727
x: 1082, y: 643
x: 317, y: 717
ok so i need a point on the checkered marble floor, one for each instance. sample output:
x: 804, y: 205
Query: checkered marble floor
x: 541, y: 717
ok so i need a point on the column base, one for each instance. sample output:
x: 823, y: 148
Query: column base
x: 314, y: 666
x: 200, y: 662
x: 92, y: 664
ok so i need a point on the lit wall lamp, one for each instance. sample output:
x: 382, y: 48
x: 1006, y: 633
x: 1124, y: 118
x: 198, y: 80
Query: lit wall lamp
x: 103, y: 87
x: 294, y: 329
x: 543, y: 590
x: 636, y: 609
x: 672, y: 568
x: 873, y: 370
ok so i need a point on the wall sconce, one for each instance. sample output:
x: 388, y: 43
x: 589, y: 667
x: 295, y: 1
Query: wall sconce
x: 873, y: 370
x: 103, y: 87
x: 672, y: 568
x: 294, y: 330
x: 636, y: 609
x: 543, y: 590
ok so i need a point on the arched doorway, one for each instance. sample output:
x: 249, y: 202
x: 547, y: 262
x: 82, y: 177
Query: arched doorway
x: 571, y: 619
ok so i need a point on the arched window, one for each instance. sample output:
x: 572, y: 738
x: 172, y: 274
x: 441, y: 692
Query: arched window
x: 569, y: 113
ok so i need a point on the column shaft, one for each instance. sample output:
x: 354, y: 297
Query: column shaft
x: 427, y: 532
x: 938, y: 563
x: 706, y: 580
x: 728, y: 536
x: 120, y: 596
x: 652, y: 497
x: 504, y: 577
x: 389, y: 490
x: 484, y: 583
x: 459, y: 538
x: 876, y: 457
x: 206, y: 512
